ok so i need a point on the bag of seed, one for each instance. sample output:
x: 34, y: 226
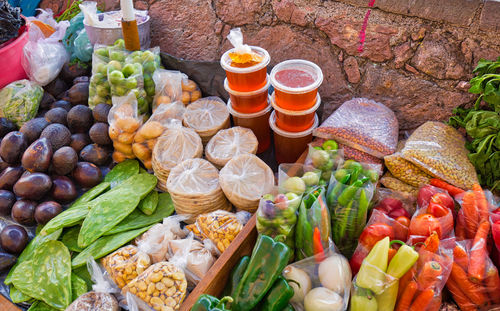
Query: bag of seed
x: 439, y: 150
x: 391, y: 182
x: 364, y: 125
x: 126, y: 264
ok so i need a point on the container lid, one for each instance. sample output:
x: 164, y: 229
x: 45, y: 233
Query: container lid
x: 237, y: 114
x: 298, y: 64
x: 225, y: 60
x: 277, y: 130
x: 243, y: 94
x: 296, y: 112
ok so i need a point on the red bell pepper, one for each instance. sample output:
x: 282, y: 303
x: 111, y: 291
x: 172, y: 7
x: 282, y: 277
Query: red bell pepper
x: 425, y: 194
x: 357, y: 258
x: 424, y: 225
x: 437, y: 210
x: 495, y: 230
x: 374, y: 233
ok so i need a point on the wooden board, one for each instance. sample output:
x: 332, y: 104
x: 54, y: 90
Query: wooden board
x: 6, y: 305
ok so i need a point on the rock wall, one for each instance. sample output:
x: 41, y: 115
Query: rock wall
x: 417, y: 58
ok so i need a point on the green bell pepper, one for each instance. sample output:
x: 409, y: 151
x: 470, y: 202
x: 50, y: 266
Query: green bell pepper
x: 267, y: 262
x: 277, y: 297
x: 371, y: 274
x: 236, y: 275
x: 210, y: 303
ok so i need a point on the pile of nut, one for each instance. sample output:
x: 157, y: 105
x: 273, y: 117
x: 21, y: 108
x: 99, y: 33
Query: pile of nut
x: 126, y: 264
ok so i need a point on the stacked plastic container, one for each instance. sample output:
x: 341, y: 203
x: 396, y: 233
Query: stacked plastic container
x: 295, y: 101
x: 249, y: 102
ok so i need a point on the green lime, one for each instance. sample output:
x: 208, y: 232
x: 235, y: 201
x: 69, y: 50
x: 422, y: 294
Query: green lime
x: 116, y: 77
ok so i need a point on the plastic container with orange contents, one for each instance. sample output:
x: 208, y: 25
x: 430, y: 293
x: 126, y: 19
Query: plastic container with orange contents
x: 295, y: 121
x: 296, y: 83
x: 249, y: 102
x: 246, y: 79
x: 288, y: 146
x: 258, y: 122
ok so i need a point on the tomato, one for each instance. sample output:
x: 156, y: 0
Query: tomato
x: 443, y: 199
x: 425, y: 194
x: 358, y: 257
x: 497, y: 211
x: 399, y: 212
x: 374, y: 233
x: 437, y: 210
x: 405, y: 221
x: 400, y: 228
x: 389, y: 204
x: 424, y: 225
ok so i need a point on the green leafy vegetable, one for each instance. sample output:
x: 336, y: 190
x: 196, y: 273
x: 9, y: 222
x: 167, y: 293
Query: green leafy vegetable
x: 84, y: 274
x: 41, y: 306
x: 91, y: 194
x: 18, y: 296
x: 78, y: 286
x: 122, y: 171
x: 149, y: 203
x: 19, y: 101
x: 70, y: 239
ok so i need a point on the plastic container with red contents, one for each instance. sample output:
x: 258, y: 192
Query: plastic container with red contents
x: 288, y: 146
x: 295, y: 121
x: 296, y: 83
x: 246, y: 79
x: 249, y: 102
x: 258, y: 122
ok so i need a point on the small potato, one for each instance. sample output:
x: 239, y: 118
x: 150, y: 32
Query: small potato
x: 126, y: 138
x: 113, y: 132
x: 151, y: 129
x: 195, y: 95
x: 123, y: 148
x: 128, y: 124
x: 151, y: 144
x: 118, y: 157
x: 186, y: 97
x: 189, y: 86
x: 141, y: 151
x: 139, y: 138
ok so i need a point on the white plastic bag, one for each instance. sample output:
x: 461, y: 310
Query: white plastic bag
x: 43, y: 57
x: 235, y: 36
x: 168, y: 86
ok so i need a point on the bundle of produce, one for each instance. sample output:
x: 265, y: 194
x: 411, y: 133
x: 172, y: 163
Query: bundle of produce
x: 99, y: 88
x: 244, y: 180
x: 150, y: 61
x: 277, y: 215
x: 475, y: 209
x: 190, y: 91
x: 421, y: 287
x: 495, y: 227
x: 313, y: 233
x: 393, y: 183
x: 439, y: 150
x: 325, y: 158
x: 168, y: 87
x: 220, y: 227
x: 229, y: 143
x: 364, y: 125
x: 376, y: 284
x: 164, y: 117
x: 207, y: 116
x: 11, y: 22
x: 298, y: 178
x: 474, y: 279
x: 321, y: 282
x: 195, y: 189
x: 125, y: 264
x: 436, y: 216
x: 20, y: 100
x: 483, y: 123
x: 172, y: 148
x: 350, y: 192
x: 124, y: 121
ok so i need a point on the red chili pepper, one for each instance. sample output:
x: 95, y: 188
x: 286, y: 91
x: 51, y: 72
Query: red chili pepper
x: 319, y: 252
x: 437, y: 210
x: 374, y: 233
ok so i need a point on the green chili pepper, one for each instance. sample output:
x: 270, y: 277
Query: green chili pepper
x: 332, y: 196
x: 343, y: 221
x: 236, y: 275
x: 278, y: 296
x: 267, y: 262
x: 349, y: 193
x: 363, y: 205
x: 210, y: 303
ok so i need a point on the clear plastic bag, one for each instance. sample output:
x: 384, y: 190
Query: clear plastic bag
x: 220, y: 227
x: 439, y: 150
x: 99, y: 89
x: 190, y: 91
x: 43, y: 57
x: 298, y: 178
x: 390, y: 201
x: 229, y: 143
x: 395, y: 184
x: 168, y: 86
x: 125, y: 264
x: 83, y: 49
x: 150, y: 62
x: 207, y: 116
x: 328, y: 277
x: 277, y: 215
x: 364, y: 125
x: 166, y: 116
x: 313, y: 231
x: 425, y: 221
x: 476, y: 207
x: 124, y: 121
x: 20, y: 100
x: 326, y: 161
x: 360, y: 156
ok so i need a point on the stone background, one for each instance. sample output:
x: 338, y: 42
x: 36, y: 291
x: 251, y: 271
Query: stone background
x: 418, y: 56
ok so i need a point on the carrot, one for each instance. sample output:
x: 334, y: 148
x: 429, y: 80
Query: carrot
x: 460, y: 298
x: 492, y: 284
x: 446, y: 186
x: 431, y: 244
x: 460, y: 233
x: 392, y: 253
x: 482, y: 203
x: 473, y: 291
x: 429, y: 275
x: 405, y: 280
x: 471, y: 215
x: 435, y: 304
x: 407, y: 296
x: 461, y: 257
x: 423, y: 300
x: 479, y: 253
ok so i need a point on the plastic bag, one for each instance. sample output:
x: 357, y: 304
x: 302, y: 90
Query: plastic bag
x: 166, y: 116
x: 154, y: 242
x: 229, y: 143
x: 207, y: 116
x: 99, y: 89
x: 476, y: 207
x: 242, y: 54
x: 277, y: 215
x: 124, y: 120
x: 220, y: 227
x: 168, y: 87
x: 190, y: 90
x: 43, y: 57
x: 298, y: 178
x: 360, y: 156
x: 364, y: 125
x: 439, y: 150
x: 164, y: 278
x: 328, y: 276
x: 313, y: 224
x: 425, y: 221
x: 495, y: 227
x: 383, y: 198
x: 20, y: 100
x: 125, y: 264
x: 76, y: 41
x: 324, y: 160
x: 89, y: 11
x: 395, y: 184
x: 350, y: 192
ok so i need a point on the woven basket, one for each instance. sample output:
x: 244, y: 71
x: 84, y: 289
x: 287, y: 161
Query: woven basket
x: 207, y: 116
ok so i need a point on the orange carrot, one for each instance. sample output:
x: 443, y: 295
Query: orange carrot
x: 392, y: 253
x: 492, y: 284
x: 471, y: 215
x: 423, y: 300
x: 460, y: 298
x: 473, y: 291
x: 446, y: 186
x: 482, y: 203
x: 405, y: 280
x: 460, y: 233
x: 435, y: 304
x: 431, y: 244
x: 429, y: 275
x: 479, y: 253
x: 461, y: 257
x: 404, y: 302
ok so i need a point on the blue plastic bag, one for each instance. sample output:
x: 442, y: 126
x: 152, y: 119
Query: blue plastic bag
x: 76, y: 40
